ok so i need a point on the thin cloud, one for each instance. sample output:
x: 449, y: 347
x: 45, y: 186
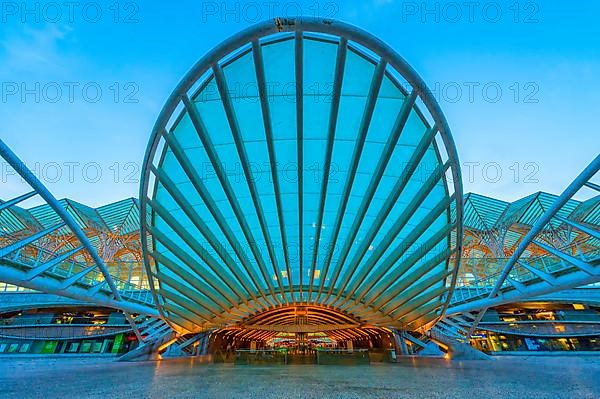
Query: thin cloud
x: 35, y: 50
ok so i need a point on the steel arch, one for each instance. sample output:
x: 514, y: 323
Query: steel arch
x: 225, y: 293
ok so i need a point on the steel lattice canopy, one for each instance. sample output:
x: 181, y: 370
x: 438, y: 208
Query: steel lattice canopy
x: 301, y: 162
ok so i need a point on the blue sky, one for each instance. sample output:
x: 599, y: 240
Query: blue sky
x: 519, y: 82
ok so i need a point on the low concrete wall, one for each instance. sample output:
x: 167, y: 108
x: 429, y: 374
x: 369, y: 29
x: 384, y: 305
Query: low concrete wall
x: 458, y: 350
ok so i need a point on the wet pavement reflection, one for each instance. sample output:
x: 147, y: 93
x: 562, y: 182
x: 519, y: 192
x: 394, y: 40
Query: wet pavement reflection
x: 503, y: 377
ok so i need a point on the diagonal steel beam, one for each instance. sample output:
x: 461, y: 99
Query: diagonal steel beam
x: 15, y: 201
x: 418, y: 301
x: 578, y: 263
x: 67, y: 219
x: 199, y: 300
x: 244, y: 159
x: 579, y: 181
x: 550, y: 279
x: 201, y: 130
x: 199, y: 250
x: 203, y: 192
x: 400, y: 223
x: 340, y: 64
x: 400, y: 286
x: 4, y: 252
x: 591, y: 185
x: 266, y: 115
x: 422, y: 311
x: 587, y: 230
x: 38, y: 270
x: 217, y: 284
x: 12, y: 275
x: 382, y: 164
x: 177, y: 305
x: 367, y: 116
x: 379, y: 285
x: 76, y: 277
x: 187, y: 208
x: 211, y: 294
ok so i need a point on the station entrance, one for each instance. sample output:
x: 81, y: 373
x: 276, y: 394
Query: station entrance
x: 302, y: 335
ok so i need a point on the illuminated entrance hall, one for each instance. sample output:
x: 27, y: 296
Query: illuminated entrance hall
x: 301, y: 179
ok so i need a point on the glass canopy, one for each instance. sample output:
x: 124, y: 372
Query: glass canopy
x: 301, y: 162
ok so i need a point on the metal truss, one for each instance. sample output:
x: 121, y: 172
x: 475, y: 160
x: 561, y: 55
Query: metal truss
x: 192, y: 344
x: 561, y: 267
x: 29, y: 262
x: 154, y: 336
x: 151, y: 329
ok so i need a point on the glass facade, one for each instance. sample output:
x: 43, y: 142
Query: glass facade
x: 492, y: 342
x: 300, y: 169
x: 74, y: 330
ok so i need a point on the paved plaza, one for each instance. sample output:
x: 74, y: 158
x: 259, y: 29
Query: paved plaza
x: 505, y: 377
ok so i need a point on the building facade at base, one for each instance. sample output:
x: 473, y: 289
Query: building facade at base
x: 37, y: 323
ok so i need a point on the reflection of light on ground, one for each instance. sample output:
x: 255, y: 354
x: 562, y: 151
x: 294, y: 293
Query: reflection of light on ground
x: 411, y: 377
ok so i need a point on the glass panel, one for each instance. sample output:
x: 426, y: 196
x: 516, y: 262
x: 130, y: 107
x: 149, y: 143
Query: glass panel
x: 364, y: 208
